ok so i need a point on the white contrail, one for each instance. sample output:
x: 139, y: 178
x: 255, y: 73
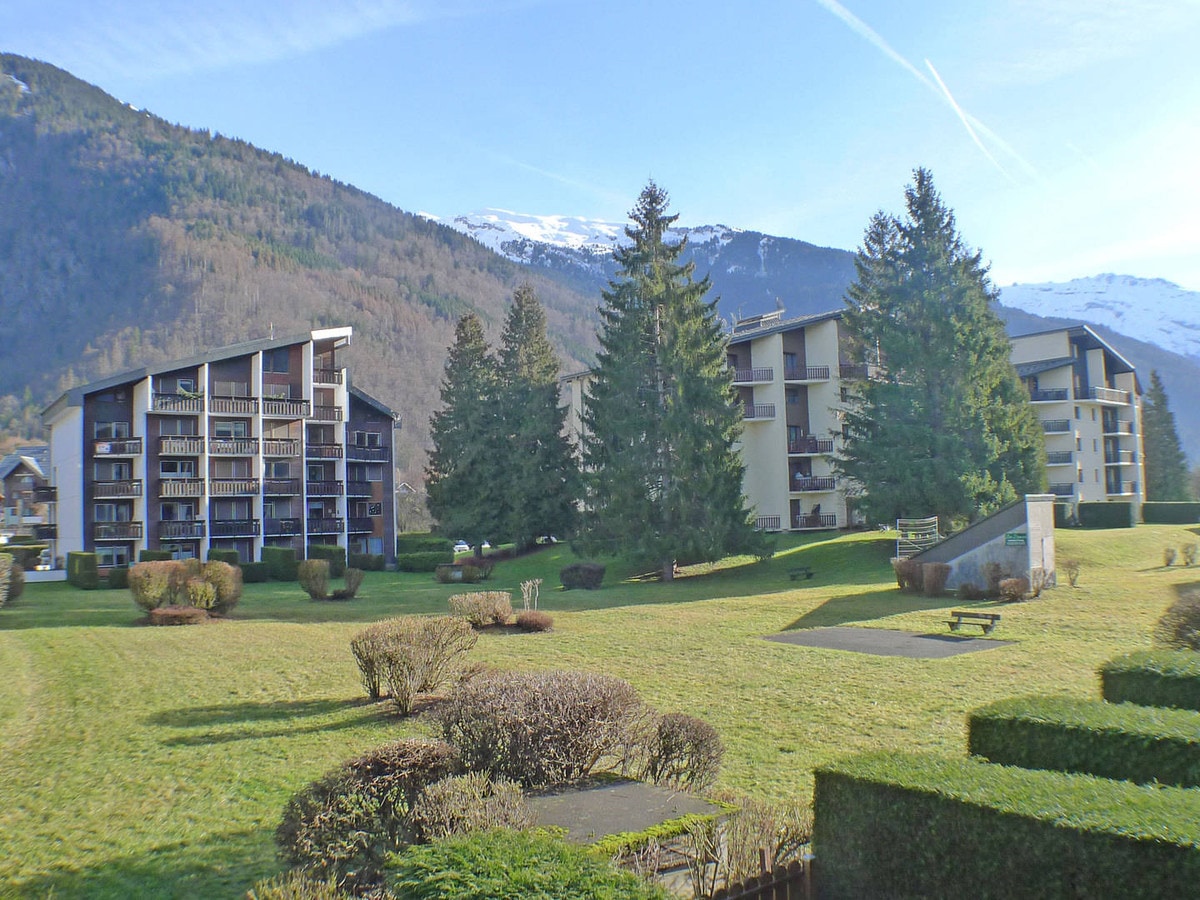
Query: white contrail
x: 962, y: 117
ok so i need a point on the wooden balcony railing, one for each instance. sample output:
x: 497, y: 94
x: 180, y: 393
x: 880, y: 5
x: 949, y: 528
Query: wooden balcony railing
x: 282, y: 527
x: 281, y: 487
x: 326, y: 413
x: 361, y: 524
x: 1109, y: 395
x: 327, y: 376
x: 115, y: 490
x: 1063, y: 489
x: 280, y: 447
x: 367, y: 454
x: 809, y: 445
x: 750, y: 376
x: 180, y: 487
x: 1118, y: 426
x: 810, y: 483
x: 277, y: 408
x: 118, y: 447
x: 233, y: 487
x: 177, y: 403
x: 45, y: 494
x: 117, y: 531
x: 238, y: 406
x: 326, y: 526
x: 324, y: 488
x: 323, y: 451
x: 233, y: 446
x: 1120, y: 457
x: 234, y: 528
x: 45, y: 532
x: 358, y: 489
x: 759, y: 411
x: 181, y: 531
x: 178, y: 445
x: 807, y: 373
x: 1048, y: 396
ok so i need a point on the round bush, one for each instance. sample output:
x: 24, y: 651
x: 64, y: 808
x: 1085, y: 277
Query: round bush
x: 462, y: 804
x: 684, y: 752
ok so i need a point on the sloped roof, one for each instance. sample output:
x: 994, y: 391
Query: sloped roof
x: 1038, y: 366
x: 13, y: 461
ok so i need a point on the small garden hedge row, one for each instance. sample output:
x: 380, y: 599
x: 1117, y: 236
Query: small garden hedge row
x: 83, y: 570
x: 1169, y: 678
x: 1100, y: 514
x: 335, y: 555
x: 367, y: 562
x: 586, y: 575
x: 1109, y: 740
x: 422, y: 542
x: 1158, y: 512
x: 225, y: 555
x: 281, y: 562
x: 919, y: 825
x: 424, y: 561
x: 155, y: 555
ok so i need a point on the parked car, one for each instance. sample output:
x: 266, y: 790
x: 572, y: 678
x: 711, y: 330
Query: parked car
x: 461, y: 547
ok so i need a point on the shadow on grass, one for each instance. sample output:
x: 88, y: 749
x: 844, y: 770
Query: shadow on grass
x: 868, y: 605
x: 234, y: 713
x: 223, y: 865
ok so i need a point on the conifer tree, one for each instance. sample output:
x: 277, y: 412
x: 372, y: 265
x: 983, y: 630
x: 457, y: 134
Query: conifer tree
x: 664, y: 482
x: 947, y: 428
x: 1166, y: 466
x: 464, y: 478
x: 541, y: 474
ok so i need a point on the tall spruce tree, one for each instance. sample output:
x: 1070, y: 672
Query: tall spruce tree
x: 541, y: 474
x: 947, y: 428
x: 1166, y: 466
x: 663, y: 480
x: 464, y: 477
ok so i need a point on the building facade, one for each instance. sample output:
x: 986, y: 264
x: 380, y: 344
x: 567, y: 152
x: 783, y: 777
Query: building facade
x: 1090, y: 403
x: 265, y: 443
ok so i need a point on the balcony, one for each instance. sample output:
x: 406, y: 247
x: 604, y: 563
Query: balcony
x: 324, y: 488
x: 237, y: 406
x: 117, y: 531
x: 1056, y: 426
x: 281, y: 447
x: 1064, y: 489
x: 233, y: 487
x: 813, y: 484
x: 327, y: 413
x: 358, y: 489
x: 361, y: 525
x: 233, y: 446
x: 858, y: 372
x: 807, y: 373
x: 1120, y: 458
x: 177, y: 403
x: 116, y: 490
x: 814, y: 522
x: 1121, y: 488
x: 1060, y: 458
x: 45, y: 532
x: 45, y: 494
x: 278, y: 408
x: 323, y: 451
x: 367, y: 454
x: 281, y: 487
x: 228, y: 528
x: 170, y: 488
x: 1050, y: 396
x: 181, y: 531
x: 118, y: 447
x: 753, y: 376
x: 1109, y: 395
x: 759, y: 412
x: 1117, y: 426
x: 178, y: 445
x: 810, y: 445
x: 768, y: 523
x: 282, y: 527
x: 326, y: 526
x: 327, y: 376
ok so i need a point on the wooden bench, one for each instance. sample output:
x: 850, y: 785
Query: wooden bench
x: 801, y: 572
x: 986, y: 621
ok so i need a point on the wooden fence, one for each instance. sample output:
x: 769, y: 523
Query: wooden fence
x: 790, y: 882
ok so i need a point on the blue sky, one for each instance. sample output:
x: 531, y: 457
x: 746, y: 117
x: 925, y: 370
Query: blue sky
x: 1064, y: 133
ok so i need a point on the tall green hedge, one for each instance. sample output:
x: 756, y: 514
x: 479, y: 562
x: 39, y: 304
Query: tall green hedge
x: 332, y: 552
x: 1110, y: 740
x: 255, y: 572
x: 281, y: 562
x: 1158, y: 512
x: 425, y: 561
x: 422, y: 542
x: 918, y: 825
x: 155, y: 555
x: 368, y: 562
x: 224, y: 554
x: 82, y: 570
x: 1168, y: 678
x: 1101, y: 514
x: 25, y: 555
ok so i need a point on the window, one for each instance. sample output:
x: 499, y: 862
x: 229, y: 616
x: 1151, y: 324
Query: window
x: 1077, y: 412
x: 185, y: 385
x: 182, y: 427
x: 368, y: 439
x: 277, y: 391
x: 793, y: 398
x: 1096, y: 475
x: 231, y: 428
x: 106, y: 557
x: 177, y: 512
x: 112, y: 512
x: 1078, y: 443
x: 176, y: 468
x: 1095, y: 445
x: 277, y: 509
x: 231, y: 468
x: 278, y: 468
x: 230, y: 509
x: 112, y: 430
x: 180, y: 551
x: 1093, y: 415
x: 114, y: 471
x: 275, y: 360
x: 316, y: 472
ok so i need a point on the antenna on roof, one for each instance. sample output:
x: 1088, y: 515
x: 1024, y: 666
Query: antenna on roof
x: 272, y: 331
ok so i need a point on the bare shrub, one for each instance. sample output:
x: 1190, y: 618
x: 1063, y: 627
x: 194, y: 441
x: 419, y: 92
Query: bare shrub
x: 313, y: 575
x: 472, y: 802
x: 1037, y: 581
x: 530, y: 590
x: 1189, y: 554
x: 1071, y: 568
x: 684, y: 753
x: 354, y: 580
x: 969, y: 592
x: 934, y: 577
x: 412, y: 655
x: 368, y: 649
x: 1169, y: 556
x: 541, y: 728
x: 993, y: 574
x: 535, y: 620
x: 346, y: 823
x: 483, y: 608
x: 1014, y: 590
x: 908, y: 575
x: 1179, y: 627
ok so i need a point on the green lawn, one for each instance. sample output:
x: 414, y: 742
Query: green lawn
x: 155, y: 761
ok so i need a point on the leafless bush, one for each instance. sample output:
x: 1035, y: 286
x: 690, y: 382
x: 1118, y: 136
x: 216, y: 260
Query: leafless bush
x: 534, y: 620
x: 993, y: 574
x: 934, y: 577
x: 410, y: 655
x: 529, y: 593
x: 1179, y: 627
x: 1169, y: 556
x: 1071, y: 568
x: 908, y: 575
x: 1014, y: 590
x: 471, y: 802
x: 1189, y: 554
x: 683, y: 752
x: 483, y: 608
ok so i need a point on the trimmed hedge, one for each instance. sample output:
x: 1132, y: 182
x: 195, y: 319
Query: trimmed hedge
x: 334, y: 553
x: 1110, y: 740
x: 82, y: 570
x: 281, y: 562
x: 225, y: 555
x: 1100, y: 514
x: 586, y: 575
x: 1169, y: 678
x: 118, y: 577
x: 1064, y: 515
x: 422, y: 542
x: 1159, y: 512
x: 367, y: 562
x: 424, y: 561
x: 155, y: 555
x: 919, y: 825
x: 25, y: 555
x: 255, y: 573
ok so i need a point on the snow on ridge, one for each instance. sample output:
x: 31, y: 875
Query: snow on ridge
x: 22, y: 86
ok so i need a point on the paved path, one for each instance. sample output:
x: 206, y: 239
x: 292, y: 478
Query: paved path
x: 614, y: 807
x: 884, y: 642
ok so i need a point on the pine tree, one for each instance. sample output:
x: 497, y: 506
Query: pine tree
x: 947, y: 429
x: 541, y: 474
x: 1166, y: 466
x: 464, y: 478
x: 664, y: 482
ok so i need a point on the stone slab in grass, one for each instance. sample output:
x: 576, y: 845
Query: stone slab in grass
x: 885, y: 642
x: 597, y: 810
